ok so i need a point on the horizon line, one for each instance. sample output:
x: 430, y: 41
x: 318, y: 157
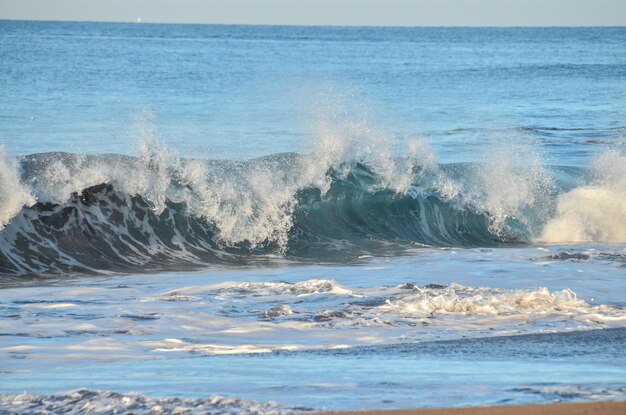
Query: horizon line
x: 470, y: 26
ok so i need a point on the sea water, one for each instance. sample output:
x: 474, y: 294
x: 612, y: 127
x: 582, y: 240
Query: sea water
x: 278, y: 219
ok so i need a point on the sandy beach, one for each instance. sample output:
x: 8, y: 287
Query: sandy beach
x: 591, y: 408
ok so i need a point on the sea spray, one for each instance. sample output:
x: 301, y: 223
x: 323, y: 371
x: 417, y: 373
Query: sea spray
x: 350, y: 196
x: 594, y: 212
x: 513, y: 186
x: 13, y: 194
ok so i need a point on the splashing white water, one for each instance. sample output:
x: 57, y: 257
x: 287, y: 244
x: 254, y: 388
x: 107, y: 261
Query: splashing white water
x: 264, y: 211
x: 13, y: 194
x: 457, y: 299
x: 595, y: 212
x: 511, y: 181
x: 254, y: 201
x: 344, y: 131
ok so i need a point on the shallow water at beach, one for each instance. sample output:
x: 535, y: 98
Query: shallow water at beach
x: 435, y: 328
x: 324, y: 218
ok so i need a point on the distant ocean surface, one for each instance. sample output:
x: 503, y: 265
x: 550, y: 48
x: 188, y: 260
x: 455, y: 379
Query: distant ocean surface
x: 268, y: 219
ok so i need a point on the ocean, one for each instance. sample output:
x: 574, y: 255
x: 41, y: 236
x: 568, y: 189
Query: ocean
x: 278, y: 219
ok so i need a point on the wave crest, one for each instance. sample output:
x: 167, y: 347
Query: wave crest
x: 112, y: 213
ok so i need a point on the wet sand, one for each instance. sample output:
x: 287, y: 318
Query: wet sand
x: 592, y: 408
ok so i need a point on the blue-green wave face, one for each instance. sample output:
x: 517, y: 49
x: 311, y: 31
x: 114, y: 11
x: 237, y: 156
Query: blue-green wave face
x: 351, y: 216
x: 85, y: 214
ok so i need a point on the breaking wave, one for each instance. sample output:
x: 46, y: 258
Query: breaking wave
x: 86, y: 214
x: 595, y: 211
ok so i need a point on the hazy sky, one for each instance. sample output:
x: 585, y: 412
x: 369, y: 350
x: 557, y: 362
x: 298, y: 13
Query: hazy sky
x: 329, y: 12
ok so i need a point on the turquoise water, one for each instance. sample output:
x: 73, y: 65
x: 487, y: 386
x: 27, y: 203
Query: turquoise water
x: 327, y: 218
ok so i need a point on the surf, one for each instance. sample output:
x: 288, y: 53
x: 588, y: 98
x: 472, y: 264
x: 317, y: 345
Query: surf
x: 89, y: 214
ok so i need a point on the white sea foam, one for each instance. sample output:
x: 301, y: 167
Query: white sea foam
x: 595, y: 212
x: 104, y: 402
x: 568, y: 392
x: 457, y: 299
x: 302, y: 288
x: 250, y: 317
x: 56, y: 306
x: 176, y: 345
x: 455, y: 308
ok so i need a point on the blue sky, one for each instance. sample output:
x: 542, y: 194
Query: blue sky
x: 329, y: 12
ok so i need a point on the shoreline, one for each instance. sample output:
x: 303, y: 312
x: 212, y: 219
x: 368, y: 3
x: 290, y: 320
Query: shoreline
x: 582, y: 408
